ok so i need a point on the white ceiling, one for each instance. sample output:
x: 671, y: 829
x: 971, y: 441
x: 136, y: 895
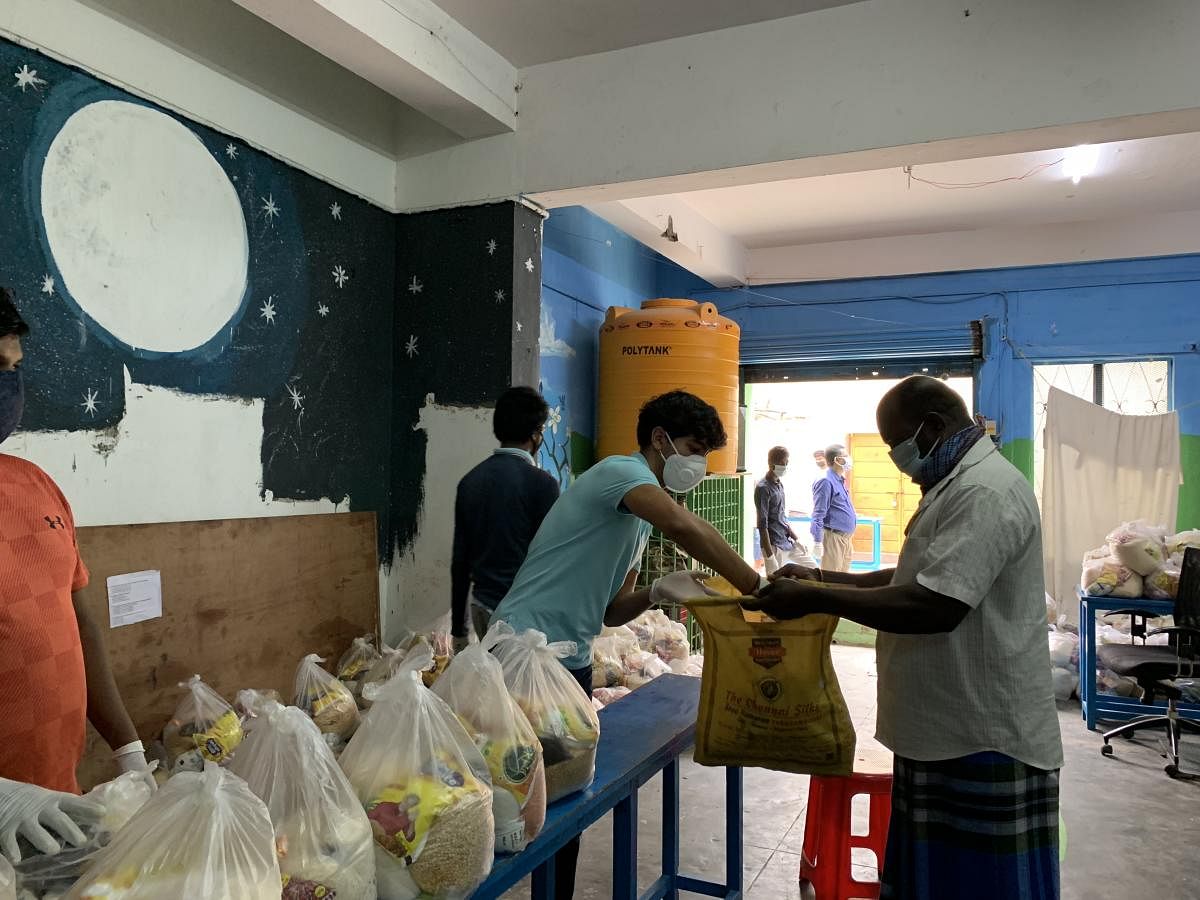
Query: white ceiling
x: 529, y: 32
x: 1132, y: 178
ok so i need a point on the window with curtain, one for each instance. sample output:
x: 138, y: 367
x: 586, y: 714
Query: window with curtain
x: 1133, y: 388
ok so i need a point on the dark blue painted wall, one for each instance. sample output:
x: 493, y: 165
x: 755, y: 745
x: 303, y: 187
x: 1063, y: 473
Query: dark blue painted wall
x: 589, y: 265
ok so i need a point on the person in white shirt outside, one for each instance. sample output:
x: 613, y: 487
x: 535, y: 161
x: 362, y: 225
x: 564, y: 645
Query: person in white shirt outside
x: 778, y: 541
x: 965, y: 697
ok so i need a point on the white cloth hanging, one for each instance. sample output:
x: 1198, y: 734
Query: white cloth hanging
x: 1102, y: 469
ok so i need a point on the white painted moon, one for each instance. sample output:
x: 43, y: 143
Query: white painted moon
x: 144, y: 226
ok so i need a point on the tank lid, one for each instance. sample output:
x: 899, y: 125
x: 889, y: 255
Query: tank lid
x: 666, y: 303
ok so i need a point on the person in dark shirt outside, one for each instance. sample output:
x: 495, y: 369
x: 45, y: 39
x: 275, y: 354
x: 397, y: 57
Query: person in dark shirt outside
x: 779, y: 543
x: 833, y: 515
x: 499, y: 507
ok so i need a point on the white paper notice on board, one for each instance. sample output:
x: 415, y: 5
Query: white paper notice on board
x: 134, y: 598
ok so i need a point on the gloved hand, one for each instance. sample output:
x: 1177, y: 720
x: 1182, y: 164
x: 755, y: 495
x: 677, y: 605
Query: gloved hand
x: 32, y: 812
x: 818, y: 550
x: 461, y: 643
x: 132, y: 758
x: 679, y: 587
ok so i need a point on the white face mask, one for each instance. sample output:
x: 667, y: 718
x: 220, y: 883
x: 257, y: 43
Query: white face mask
x: 779, y: 470
x: 682, y: 473
x: 846, y: 462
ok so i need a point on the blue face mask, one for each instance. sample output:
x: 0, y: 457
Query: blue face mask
x: 907, y: 455
x: 12, y: 402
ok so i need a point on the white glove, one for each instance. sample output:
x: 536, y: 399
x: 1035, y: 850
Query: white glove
x: 818, y: 550
x: 679, y: 587
x: 32, y: 812
x: 132, y: 758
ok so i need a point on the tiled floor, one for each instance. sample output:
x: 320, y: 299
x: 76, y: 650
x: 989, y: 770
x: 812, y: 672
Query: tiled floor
x: 1131, y: 830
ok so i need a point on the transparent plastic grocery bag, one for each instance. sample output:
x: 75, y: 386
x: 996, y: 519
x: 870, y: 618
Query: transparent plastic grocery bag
x: 203, y: 834
x: 8, y: 880
x: 473, y: 686
x: 769, y: 696
x: 322, y: 836
x: 380, y: 673
x: 425, y: 788
x: 205, y: 728
x: 325, y: 699
x: 557, y: 707
x: 249, y: 705
x: 38, y: 875
x: 352, y: 668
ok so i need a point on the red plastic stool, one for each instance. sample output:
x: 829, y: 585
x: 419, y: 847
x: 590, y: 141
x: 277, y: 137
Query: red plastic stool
x: 827, y: 838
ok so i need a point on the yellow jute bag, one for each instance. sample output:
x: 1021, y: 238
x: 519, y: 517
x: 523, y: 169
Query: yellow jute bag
x: 769, y: 697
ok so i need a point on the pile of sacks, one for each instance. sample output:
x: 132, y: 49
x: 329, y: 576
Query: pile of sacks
x: 1137, y: 560
x: 1064, y: 652
x: 625, y: 658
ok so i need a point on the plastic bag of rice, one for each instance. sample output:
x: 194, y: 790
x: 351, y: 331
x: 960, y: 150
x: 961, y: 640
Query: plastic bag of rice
x: 426, y: 789
x: 769, y: 696
x: 559, y: 711
x: 474, y: 687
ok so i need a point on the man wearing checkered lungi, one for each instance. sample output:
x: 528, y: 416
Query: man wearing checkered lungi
x: 965, y: 699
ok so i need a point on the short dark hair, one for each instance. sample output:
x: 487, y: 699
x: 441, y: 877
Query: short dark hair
x: 681, y: 414
x: 777, y: 453
x: 520, y: 413
x: 10, y: 320
x: 918, y: 395
x: 833, y: 451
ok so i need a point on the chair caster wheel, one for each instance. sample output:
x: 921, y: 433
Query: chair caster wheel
x: 1172, y: 770
x: 1107, y: 750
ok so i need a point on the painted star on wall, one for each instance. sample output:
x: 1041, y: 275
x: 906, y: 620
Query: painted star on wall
x: 411, y: 347
x: 48, y: 285
x: 529, y: 265
x: 89, y: 403
x: 340, y: 277
x: 322, y: 310
x: 271, y: 209
x: 27, y: 77
x: 335, y: 210
x: 231, y: 151
x: 491, y: 247
x: 414, y: 286
x: 499, y: 295
x: 267, y: 310
x: 520, y: 328
x: 296, y: 397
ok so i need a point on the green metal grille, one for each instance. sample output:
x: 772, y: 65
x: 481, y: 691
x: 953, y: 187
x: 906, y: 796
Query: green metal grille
x: 719, y: 500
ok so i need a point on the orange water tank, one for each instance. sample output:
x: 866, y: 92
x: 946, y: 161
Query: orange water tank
x: 666, y: 345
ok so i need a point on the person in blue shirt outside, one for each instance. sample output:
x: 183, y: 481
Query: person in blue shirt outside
x: 498, y: 509
x: 779, y: 542
x: 833, y: 515
x: 582, y: 567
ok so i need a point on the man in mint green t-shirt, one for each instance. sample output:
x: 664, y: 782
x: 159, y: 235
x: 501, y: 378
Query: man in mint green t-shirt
x: 582, y: 565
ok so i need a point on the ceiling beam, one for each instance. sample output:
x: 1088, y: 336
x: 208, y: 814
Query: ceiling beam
x: 1165, y: 234
x: 412, y: 50
x: 702, y: 248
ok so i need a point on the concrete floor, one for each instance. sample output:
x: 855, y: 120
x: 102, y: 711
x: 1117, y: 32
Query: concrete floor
x: 1132, y: 831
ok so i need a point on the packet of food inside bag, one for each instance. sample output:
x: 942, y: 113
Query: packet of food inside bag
x: 325, y: 699
x: 474, y: 687
x: 769, y: 696
x: 426, y: 790
x: 352, y: 668
x: 204, y: 729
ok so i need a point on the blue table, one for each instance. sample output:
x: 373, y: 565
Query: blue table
x: 1097, y: 705
x: 801, y: 527
x: 640, y: 736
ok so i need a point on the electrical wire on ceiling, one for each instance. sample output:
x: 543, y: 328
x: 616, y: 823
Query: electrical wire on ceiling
x: 968, y: 185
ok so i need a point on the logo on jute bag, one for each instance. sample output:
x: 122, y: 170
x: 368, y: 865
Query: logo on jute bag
x: 767, y: 652
x: 770, y: 688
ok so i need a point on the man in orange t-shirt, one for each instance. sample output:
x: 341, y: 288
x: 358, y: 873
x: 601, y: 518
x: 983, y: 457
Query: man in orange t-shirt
x: 54, y: 668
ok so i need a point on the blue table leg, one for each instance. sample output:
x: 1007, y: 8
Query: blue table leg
x: 1087, y: 662
x: 543, y: 881
x: 625, y: 848
x: 733, y: 832
x: 670, y: 820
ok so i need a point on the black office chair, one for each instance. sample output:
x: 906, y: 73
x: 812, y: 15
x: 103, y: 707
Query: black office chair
x: 1156, y: 668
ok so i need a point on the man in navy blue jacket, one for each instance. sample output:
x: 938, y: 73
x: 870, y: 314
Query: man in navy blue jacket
x: 499, y: 507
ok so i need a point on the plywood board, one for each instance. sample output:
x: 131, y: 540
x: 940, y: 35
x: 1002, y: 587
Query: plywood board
x: 243, y: 601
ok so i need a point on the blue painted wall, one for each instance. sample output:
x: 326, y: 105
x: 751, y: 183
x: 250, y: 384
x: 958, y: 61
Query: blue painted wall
x: 1088, y: 311
x: 587, y: 266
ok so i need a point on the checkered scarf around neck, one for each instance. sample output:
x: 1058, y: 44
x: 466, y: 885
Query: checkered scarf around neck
x: 948, y: 455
